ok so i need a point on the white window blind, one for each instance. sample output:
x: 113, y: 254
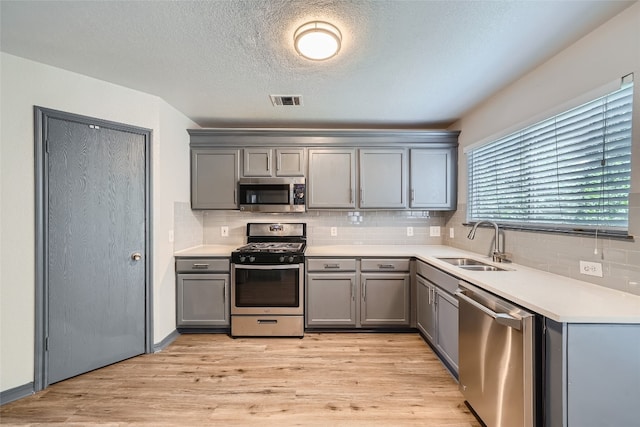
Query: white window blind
x: 572, y: 170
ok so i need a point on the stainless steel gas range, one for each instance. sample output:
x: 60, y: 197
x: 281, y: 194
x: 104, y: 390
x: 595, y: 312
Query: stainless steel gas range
x: 267, y: 281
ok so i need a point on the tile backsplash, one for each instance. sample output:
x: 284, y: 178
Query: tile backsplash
x: 194, y: 228
x: 558, y: 253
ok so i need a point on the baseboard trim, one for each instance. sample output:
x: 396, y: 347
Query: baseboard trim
x: 16, y: 393
x: 166, y: 341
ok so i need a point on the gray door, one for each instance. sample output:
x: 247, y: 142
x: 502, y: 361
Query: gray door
x: 95, y: 287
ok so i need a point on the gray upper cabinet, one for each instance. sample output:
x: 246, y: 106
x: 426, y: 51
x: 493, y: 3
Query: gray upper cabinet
x: 332, y: 178
x: 383, y: 179
x: 433, y: 176
x: 273, y: 162
x: 214, y: 178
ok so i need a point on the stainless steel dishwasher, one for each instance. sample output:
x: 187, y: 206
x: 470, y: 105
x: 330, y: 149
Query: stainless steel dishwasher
x: 497, y: 363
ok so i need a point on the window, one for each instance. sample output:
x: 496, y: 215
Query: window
x: 569, y: 172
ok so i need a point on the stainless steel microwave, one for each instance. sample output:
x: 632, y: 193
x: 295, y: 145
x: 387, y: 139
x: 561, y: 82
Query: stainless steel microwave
x: 272, y: 194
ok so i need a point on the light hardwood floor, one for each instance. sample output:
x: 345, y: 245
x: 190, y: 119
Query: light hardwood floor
x: 324, y: 379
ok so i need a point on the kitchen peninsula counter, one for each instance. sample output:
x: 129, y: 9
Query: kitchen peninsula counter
x: 559, y: 298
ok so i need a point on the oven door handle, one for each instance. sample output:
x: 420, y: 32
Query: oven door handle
x: 267, y: 267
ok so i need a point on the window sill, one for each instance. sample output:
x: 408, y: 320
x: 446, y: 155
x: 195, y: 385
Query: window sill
x: 576, y: 231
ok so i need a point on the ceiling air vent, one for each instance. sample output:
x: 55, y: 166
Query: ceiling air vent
x: 286, y: 100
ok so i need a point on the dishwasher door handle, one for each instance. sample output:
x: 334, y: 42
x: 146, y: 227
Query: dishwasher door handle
x: 502, y: 318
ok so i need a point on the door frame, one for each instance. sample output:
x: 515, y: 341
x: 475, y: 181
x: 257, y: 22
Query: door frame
x: 41, y: 115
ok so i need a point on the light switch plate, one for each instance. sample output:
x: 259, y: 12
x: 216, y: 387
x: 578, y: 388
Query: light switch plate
x: 452, y: 233
x: 434, y: 231
x: 224, y: 231
x: 171, y: 236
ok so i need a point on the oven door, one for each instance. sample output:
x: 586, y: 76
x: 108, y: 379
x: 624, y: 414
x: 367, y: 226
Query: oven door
x: 267, y: 289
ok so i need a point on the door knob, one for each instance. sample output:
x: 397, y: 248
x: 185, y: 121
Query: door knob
x: 136, y: 256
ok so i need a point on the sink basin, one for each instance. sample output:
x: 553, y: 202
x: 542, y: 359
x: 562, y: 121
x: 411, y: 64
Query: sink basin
x: 462, y: 261
x: 471, y: 264
x: 481, y: 268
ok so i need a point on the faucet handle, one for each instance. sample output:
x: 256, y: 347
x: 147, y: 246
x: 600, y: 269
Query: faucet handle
x: 501, y: 256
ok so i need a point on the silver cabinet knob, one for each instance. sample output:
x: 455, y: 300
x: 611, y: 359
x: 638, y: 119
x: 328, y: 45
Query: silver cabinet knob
x: 136, y: 256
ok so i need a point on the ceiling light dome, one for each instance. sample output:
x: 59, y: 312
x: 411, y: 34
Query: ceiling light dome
x: 317, y: 40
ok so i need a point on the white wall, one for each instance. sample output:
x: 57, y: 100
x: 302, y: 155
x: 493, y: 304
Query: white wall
x: 606, y: 54
x: 24, y: 84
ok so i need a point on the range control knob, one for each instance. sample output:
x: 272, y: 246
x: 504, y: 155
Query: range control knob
x: 243, y: 258
x: 290, y: 259
x: 252, y: 258
x: 281, y: 259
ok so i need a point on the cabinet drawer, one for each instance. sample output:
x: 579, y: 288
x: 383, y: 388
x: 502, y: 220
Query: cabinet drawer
x: 443, y: 280
x: 330, y: 264
x: 385, y: 264
x: 203, y: 265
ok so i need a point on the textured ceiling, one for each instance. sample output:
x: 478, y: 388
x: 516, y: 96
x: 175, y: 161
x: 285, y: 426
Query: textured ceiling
x: 402, y: 63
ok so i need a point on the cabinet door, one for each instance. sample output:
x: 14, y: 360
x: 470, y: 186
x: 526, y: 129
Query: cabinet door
x: 257, y: 162
x: 382, y: 179
x: 202, y: 300
x: 290, y: 162
x: 384, y: 299
x: 331, y: 300
x: 433, y: 178
x: 426, y: 309
x: 332, y: 179
x: 214, y: 179
x: 447, y: 328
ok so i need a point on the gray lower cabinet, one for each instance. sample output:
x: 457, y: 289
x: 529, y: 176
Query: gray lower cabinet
x: 202, y: 293
x: 350, y: 293
x: 382, y: 179
x: 592, y: 374
x: 332, y: 178
x: 331, y: 300
x: 268, y: 162
x: 426, y: 308
x: 385, y: 299
x: 433, y: 178
x: 437, y: 312
x: 214, y: 178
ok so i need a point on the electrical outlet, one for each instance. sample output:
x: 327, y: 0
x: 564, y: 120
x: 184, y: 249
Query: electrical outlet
x: 434, y: 231
x: 409, y: 231
x: 171, y: 236
x: 591, y: 268
x: 224, y: 231
x: 334, y: 231
x: 452, y: 233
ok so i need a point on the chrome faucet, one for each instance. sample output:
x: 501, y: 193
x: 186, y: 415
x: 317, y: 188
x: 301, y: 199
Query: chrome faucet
x: 496, y: 255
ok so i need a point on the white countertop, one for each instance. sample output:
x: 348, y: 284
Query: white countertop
x: 207, y: 251
x: 556, y: 297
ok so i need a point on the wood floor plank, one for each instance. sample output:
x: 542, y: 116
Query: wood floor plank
x: 324, y: 379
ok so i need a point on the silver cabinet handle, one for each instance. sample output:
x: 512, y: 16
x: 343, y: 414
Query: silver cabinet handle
x: 235, y: 196
x: 502, y: 318
x: 361, y: 195
x: 269, y: 164
x: 277, y: 162
x: 353, y: 290
x: 351, y: 195
x: 364, y: 290
x: 331, y: 266
x: 136, y: 256
x: 387, y: 266
x: 413, y: 194
x: 200, y: 266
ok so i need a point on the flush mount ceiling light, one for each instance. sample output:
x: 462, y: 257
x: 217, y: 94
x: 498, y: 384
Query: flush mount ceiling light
x: 317, y: 40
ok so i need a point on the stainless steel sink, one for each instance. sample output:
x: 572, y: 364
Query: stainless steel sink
x: 481, y: 268
x: 471, y: 264
x: 462, y: 261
